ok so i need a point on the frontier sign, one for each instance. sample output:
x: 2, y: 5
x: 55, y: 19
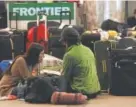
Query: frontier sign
x: 28, y: 11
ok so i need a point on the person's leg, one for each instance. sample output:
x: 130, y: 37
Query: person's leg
x: 62, y: 84
x: 69, y: 89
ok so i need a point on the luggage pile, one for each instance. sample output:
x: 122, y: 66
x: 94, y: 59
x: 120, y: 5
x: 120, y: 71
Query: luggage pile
x: 115, y: 59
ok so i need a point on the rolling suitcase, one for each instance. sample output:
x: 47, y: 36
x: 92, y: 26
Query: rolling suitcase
x: 88, y: 39
x: 101, y: 49
x: 56, y: 30
x: 38, y: 33
x: 12, y: 43
x: 102, y: 57
x: 55, y: 47
x: 3, y: 20
x: 3, y: 15
x: 19, y: 42
x: 6, y: 46
x: 123, y: 74
x: 18, y: 37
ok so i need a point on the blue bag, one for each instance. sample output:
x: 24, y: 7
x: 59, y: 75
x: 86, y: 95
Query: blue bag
x: 5, y: 64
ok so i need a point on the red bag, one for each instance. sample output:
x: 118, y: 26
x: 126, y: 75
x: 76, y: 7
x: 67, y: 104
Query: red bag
x: 38, y: 34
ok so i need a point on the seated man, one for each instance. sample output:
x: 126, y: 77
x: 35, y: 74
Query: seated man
x: 79, y: 66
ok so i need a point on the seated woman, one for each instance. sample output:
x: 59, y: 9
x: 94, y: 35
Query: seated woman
x: 21, y: 68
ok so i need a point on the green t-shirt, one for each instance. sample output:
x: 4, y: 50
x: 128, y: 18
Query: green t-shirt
x: 80, y: 69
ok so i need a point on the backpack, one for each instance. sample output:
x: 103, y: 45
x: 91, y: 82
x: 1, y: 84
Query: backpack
x: 40, y: 89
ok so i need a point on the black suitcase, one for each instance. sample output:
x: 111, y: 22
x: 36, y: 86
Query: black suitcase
x: 102, y: 61
x: 12, y: 45
x: 89, y: 39
x: 55, y: 47
x: 19, y: 41
x: 6, y: 46
x: 18, y: 37
x: 3, y: 15
x: 102, y: 57
x: 58, y: 52
x: 123, y: 72
x: 56, y: 30
x: 3, y: 20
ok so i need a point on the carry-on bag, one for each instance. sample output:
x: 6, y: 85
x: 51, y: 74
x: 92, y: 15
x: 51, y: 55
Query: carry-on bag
x: 18, y: 37
x: 101, y: 49
x: 88, y: 39
x: 55, y: 47
x: 123, y: 74
x: 38, y: 33
x: 12, y: 43
x: 3, y: 15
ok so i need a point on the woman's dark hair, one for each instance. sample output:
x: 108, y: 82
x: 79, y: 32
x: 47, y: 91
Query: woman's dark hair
x: 32, y: 55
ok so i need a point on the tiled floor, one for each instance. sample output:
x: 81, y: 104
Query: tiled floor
x: 101, y: 101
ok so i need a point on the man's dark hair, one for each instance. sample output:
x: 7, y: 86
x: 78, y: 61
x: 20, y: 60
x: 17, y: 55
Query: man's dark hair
x: 70, y: 35
x: 71, y: 42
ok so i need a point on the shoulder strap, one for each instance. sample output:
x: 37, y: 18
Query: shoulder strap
x: 35, y: 34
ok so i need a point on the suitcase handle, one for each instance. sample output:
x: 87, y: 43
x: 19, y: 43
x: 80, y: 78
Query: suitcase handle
x: 10, y: 15
x: 41, y: 13
x: 84, y: 18
x: 126, y: 50
x: 61, y: 14
x: 44, y: 16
